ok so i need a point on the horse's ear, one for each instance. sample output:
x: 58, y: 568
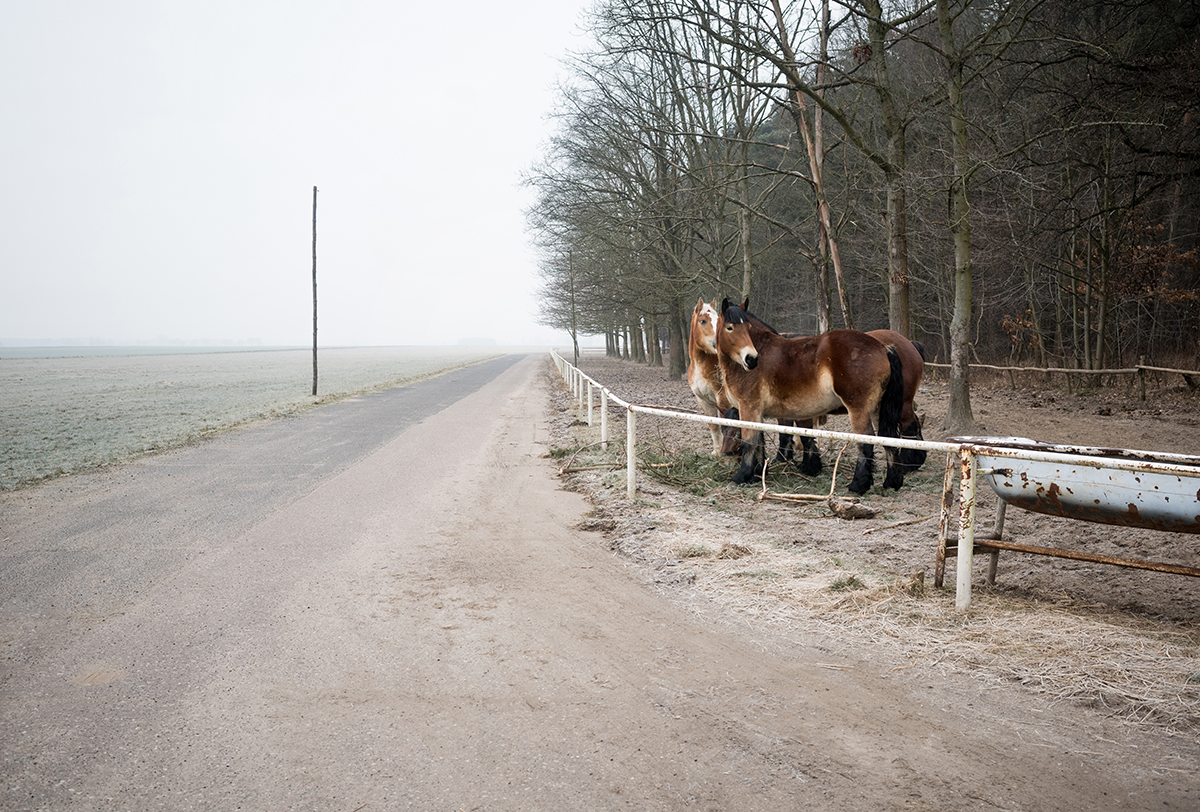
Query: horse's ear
x: 699, y: 305
x: 724, y: 305
x: 746, y: 304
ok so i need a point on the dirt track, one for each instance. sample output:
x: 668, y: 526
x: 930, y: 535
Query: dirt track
x: 427, y: 629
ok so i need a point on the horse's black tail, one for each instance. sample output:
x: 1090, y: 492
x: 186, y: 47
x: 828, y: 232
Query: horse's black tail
x: 892, y: 405
x: 920, y: 348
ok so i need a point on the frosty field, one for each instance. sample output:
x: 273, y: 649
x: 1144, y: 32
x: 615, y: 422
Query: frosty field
x: 64, y: 414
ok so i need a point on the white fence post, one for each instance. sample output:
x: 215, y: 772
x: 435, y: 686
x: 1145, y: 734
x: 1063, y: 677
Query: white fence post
x: 631, y: 451
x: 966, y: 529
x: 589, y: 383
x: 603, y: 419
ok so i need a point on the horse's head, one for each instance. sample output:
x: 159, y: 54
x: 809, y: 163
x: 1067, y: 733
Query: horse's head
x: 733, y: 336
x: 704, y: 327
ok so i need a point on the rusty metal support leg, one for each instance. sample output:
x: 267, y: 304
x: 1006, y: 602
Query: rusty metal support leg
x: 939, y: 567
x: 996, y: 534
x: 966, y: 530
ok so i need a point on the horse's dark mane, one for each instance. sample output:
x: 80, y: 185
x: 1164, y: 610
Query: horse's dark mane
x: 740, y: 315
x: 735, y: 315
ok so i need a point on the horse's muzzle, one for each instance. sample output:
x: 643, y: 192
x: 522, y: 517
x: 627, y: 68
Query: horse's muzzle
x: 751, y: 361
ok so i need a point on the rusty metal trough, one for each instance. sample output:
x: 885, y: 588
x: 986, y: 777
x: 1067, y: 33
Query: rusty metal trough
x: 1150, y: 490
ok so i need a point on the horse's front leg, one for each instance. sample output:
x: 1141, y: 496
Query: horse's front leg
x: 754, y: 453
x: 712, y: 410
x: 787, y: 444
x: 911, y: 458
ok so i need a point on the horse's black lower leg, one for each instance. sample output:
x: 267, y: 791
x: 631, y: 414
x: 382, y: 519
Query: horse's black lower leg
x: 810, y: 460
x: 786, y: 448
x: 911, y: 458
x: 894, y: 477
x: 753, y: 457
x: 731, y: 438
x: 864, y: 472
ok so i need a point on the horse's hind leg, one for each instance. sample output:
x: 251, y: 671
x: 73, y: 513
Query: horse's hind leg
x: 864, y: 471
x: 894, y: 477
x: 810, y: 457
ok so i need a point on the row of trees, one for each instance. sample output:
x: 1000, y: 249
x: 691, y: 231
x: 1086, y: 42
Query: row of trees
x: 1009, y: 180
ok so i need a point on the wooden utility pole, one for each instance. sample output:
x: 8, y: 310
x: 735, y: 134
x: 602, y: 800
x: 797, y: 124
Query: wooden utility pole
x: 314, y: 291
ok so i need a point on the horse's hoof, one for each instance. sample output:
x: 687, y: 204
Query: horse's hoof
x: 893, y: 481
x: 811, y: 466
x: 860, y: 484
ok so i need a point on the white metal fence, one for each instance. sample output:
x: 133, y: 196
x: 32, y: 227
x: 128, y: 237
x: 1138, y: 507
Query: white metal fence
x: 961, y: 457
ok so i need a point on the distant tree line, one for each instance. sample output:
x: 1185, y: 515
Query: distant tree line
x: 1014, y: 180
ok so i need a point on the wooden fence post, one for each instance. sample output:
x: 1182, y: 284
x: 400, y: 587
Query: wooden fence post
x: 631, y: 452
x: 603, y: 419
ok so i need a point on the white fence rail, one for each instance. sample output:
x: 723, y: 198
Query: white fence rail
x: 959, y: 455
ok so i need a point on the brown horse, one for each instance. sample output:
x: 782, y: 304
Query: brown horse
x: 912, y: 359
x: 704, y: 371
x: 805, y: 378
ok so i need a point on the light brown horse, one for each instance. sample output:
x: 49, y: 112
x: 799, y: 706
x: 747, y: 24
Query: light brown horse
x: 805, y: 378
x: 704, y: 371
x: 708, y: 386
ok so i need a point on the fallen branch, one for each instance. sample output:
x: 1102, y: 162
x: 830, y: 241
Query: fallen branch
x: 803, y: 497
x: 566, y: 468
x: 898, y: 524
x: 612, y: 466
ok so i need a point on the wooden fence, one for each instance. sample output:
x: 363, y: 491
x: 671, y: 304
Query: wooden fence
x: 1190, y: 377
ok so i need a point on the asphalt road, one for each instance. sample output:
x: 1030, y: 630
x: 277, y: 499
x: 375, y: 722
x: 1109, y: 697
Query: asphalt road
x: 384, y: 604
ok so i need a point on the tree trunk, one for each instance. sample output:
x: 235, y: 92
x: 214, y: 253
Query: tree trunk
x: 637, y: 350
x: 959, y: 416
x: 814, y: 142
x: 653, y: 348
x: 677, y: 355
x: 746, y: 226
x: 897, y: 197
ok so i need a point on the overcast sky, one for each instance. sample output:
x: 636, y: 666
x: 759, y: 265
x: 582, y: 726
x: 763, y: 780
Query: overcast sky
x: 158, y: 160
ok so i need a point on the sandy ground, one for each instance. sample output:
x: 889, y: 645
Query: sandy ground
x: 1089, y: 644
